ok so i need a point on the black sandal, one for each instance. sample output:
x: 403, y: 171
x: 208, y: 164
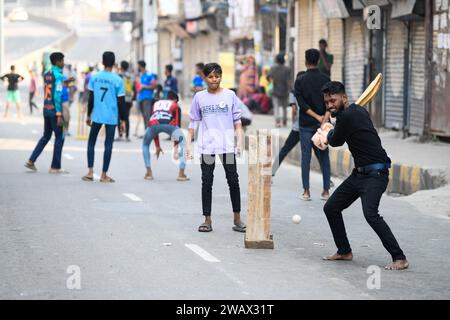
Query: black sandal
x: 205, y: 227
x: 241, y: 227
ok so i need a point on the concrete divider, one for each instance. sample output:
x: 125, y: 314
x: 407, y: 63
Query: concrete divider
x: 50, y: 22
x: 62, y: 44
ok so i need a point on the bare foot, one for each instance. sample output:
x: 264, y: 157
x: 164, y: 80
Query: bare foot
x: 106, y: 179
x: 337, y: 257
x: 398, y: 265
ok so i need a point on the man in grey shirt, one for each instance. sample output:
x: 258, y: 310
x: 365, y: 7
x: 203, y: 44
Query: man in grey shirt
x: 280, y: 75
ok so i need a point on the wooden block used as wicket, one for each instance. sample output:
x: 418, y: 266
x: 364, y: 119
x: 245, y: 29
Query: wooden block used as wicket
x: 81, y: 129
x: 258, y: 234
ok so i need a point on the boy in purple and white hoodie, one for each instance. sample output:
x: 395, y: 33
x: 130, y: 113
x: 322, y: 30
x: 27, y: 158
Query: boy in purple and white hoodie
x: 217, y: 113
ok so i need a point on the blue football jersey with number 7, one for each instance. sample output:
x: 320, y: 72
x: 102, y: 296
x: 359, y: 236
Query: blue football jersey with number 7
x: 107, y: 86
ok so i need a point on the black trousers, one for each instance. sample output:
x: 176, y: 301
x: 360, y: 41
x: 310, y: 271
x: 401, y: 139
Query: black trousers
x: 126, y: 118
x: 208, y: 164
x: 369, y: 187
x: 31, y: 102
x: 291, y: 142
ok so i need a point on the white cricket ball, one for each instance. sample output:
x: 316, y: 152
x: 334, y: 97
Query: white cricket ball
x: 296, y: 218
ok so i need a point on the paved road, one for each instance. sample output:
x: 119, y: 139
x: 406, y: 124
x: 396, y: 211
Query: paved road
x: 94, y: 39
x: 138, y: 239
x: 24, y: 37
x: 48, y: 223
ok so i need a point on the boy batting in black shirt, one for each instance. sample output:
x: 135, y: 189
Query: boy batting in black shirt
x: 368, y: 180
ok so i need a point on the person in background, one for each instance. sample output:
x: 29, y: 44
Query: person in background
x: 265, y: 79
x: 312, y: 115
x: 33, y: 90
x: 171, y: 83
x: 198, y: 84
x: 106, y: 101
x: 165, y: 118
x: 147, y: 82
x: 71, y: 74
x: 294, y: 136
x: 280, y: 75
x: 65, y: 99
x: 137, y: 107
x: 12, y: 93
x: 248, y: 81
x: 89, y: 73
x: 259, y: 102
x: 128, y: 84
x: 53, y: 122
x: 326, y: 59
x: 80, y: 88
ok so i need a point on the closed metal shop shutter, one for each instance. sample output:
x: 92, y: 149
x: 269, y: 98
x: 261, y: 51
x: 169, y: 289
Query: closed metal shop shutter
x: 311, y: 27
x: 336, y: 48
x: 354, y: 60
x: 395, y: 71
x: 417, y: 110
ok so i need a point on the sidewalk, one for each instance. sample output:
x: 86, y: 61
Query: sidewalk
x: 416, y: 165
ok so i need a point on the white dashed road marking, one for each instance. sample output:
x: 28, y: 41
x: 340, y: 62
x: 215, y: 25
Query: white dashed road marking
x: 205, y: 255
x: 133, y: 197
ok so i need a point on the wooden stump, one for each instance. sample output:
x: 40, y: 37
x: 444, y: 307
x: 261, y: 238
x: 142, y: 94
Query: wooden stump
x: 258, y: 234
x: 81, y: 129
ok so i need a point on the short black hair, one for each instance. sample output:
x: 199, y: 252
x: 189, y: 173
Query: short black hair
x: 55, y: 57
x: 333, y: 87
x: 200, y: 65
x: 109, y: 59
x: 142, y: 64
x: 323, y: 41
x: 169, y: 68
x: 312, y: 56
x: 212, y: 67
x: 124, y: 65
x: 171, y: 95
x: 280, y: 58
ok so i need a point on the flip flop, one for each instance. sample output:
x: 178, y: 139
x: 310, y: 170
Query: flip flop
x: 240, y: 227
x: 204, y: 227
x: 58, y: 171
x: 30, y: 166
x: 148, y: 177
x: 183, y: 179
x: 306, y: 197
x: 107, y: 180
x: 87, y: 178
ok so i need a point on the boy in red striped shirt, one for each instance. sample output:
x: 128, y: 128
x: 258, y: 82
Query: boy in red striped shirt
x: 166, y: 117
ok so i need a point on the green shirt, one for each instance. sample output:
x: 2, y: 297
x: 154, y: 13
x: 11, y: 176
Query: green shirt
x: 329, y: 58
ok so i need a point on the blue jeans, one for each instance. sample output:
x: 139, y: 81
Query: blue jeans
x: 50, y: 126
x: 95, y: 129
x: 306, y: 134
x: 176, y: 135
